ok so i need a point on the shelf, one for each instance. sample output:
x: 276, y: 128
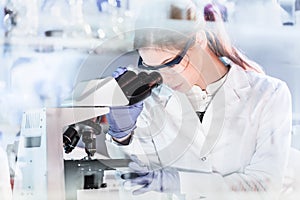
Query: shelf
x: 55, y: 42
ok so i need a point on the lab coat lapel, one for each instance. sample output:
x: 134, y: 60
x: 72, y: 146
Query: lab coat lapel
x: 213, y: 122
x: 237, y: 90
x: 223, y: 106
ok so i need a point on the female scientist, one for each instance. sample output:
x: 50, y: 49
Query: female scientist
x: 217, y: 128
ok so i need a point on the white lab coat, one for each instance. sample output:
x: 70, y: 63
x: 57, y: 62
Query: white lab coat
x: 5, y: 188
x: 242, y: 144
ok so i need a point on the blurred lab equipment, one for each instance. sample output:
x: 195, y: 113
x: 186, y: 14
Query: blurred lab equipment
x: 5, y: 189
x: 116, y: 18
x: 64, y: 19
x: 1, y: 20
x: 41, y: 143
x: 178, y: 11
x: 12, y: 150
x: 9, y: 20
x: 78, y: 26
x: 288, y: 15
x: 209, y: 10
x: 43, y: 147
x: 27, y: 18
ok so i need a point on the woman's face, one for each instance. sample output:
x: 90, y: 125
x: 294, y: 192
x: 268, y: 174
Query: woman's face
x: 180, y: 77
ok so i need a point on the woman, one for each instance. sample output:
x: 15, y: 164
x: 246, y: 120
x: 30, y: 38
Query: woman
x: 218, y: 127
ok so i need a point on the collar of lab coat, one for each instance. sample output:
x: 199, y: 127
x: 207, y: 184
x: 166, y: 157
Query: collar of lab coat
x: 235, y: 89
x: 237, y: 86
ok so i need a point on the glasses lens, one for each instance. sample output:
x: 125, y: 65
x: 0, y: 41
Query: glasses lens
x: 176, y: 69
x: 171, y: 63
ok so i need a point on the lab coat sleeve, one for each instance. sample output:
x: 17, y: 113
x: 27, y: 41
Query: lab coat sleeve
x: 195, y: 185
x: 119, y: 151
x: 5, y: 189
x: 262, y: 177
x: 266, y: 169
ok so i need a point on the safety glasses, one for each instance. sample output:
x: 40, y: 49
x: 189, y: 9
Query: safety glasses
x: 175, y: 61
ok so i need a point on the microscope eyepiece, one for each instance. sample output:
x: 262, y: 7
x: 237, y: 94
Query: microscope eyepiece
x: 137, y: 87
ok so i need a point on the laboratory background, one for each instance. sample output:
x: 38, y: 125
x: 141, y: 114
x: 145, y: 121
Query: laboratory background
x: 48, y: 46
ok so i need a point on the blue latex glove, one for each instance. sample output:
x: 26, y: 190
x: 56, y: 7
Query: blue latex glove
x: 160, y: 180
x: 119, y: 71
x: 122, y: 119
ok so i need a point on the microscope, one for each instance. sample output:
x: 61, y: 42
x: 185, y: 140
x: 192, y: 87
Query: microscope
x: 49, y: 134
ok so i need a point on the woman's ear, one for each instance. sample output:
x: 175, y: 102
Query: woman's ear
x: 201, y: 39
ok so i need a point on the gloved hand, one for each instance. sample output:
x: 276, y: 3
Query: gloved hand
x: 160, y: 180
x: 119, y: 71
x: 122, y: 119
